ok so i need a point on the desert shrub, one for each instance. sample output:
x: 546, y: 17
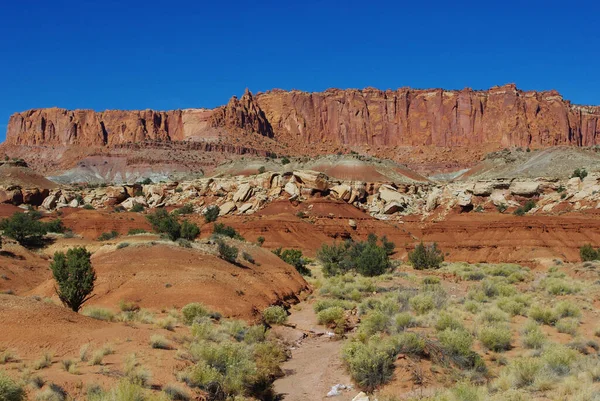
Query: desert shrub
x: 567, y: 325
x: 247, y: 257
x: 74, y: 276
x: 10, y: 390
x: 159, y: 342
x: 559, y: 286
x: 542, y: 315
x: 367, y: 258
x: 559, y: 359
x: 422, y: 303
x: 567, y: 309
x: 514, y: 305
x: 260, y: 241
x: 167, y: 323
x: 164, y: 223
x: 135, y: 231
x: 25, y: 228
x: 88, y: 206
x: 530, y: 204
x: 293, y: 257
x: 227, y: 252
x: 426, y: 257
x: 323, y: 304
x: 495, y: 337
x: 261, y: 169
x: 227, y: 231
x: 532, y: 336
x: 402, y: 321
x: 188, y: 208
x: 137, y: 208
x: 44, y: 362
x: 501, y: 207
x: 347, y: 287
x: 52, y: 393
x: 55, y: 226
x: 285, y: 160
x: 370, y: 365
x: 99, y: 313
x: 330, y: 315
x: 125, y: 306
x: 176, y: 393
x: 192, y: 312
x: 189, y: 231
x: 588, y: 253
x: 523, y: 372
x: 108, y: 236
x: 493, y: 315
x: 211, y: 213
x: 447, y: 321
x: 581, y: 173
x: 456, y: 342
x: 274, y: 315
x: 374, y: 322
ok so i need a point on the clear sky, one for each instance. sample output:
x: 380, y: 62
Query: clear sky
x: 131, y: 54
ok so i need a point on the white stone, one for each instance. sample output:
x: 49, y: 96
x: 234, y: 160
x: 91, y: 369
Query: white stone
x: 227, y: 208
x: 243, y: 193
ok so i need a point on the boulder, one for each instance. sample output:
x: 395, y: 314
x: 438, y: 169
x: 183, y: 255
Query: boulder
x: 312, y: 179
x: 497, y: 198
x: 432, y: 199
x: 524, y: 188
x: 115, y: 195
x: 483, y: 189
x: 243, y: 193
x: 342, y: 191
x: 227, y: 208
x: 51, y: 200
x: 574, y: 184
x: 389, y: 194
x: 12, y: 196
x: 131, y: 202
x: 352, y: 223
x: 245, y: 207
x: 393, y: 207
x: 74, y: 203
x: 292, y: 189
x: 464, y: 199
x: 34, y: 196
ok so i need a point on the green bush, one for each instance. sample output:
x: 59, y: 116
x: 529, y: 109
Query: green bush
x: 137, y: 208
x: 108, y: 236
x: 370, y: 366
x: 260, y: 241
x: 189, y: 231
x: 227, y: 252
x: 542, y: 315
x: 323, y: 304
x: 25, y: 228
x: 211, y: 213
x: 10, y: 390
x: 422, y: 303
x: 293, y: 257
x: 375, y: 322
x: 426, y: 257
x: 274, y: 315
x: 188, y: 208
x: 330, y: 315
x: 192, y: 312
x: 227, y: 231
x: 366, y: 258
x: 581, y: 173
x: 530, y: 204
x: 559, y: 359
x: 135, y: 231
x: 261, y: 169
x: 532, y: 336
x: 567, y: 326
x: 55, y: 226
x: 567, y: 309
x: 403, y: 321
x: 98, y: 313
x: 495, y: 337
x: 456, y: 342
x: 74, y: 277
x: 247, y: 257
x: 588, y: 253
x: 164, y: 223
x: 447, y: 321
x: 285, y: 160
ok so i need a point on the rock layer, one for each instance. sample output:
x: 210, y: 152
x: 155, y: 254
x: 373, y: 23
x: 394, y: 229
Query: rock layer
x: 499, y: 117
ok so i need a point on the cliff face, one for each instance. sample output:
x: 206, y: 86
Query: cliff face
x: 501, y: 117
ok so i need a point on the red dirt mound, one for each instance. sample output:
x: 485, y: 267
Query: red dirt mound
x: 90, y: 224
x: 20, y: 269
x: 163, y: 276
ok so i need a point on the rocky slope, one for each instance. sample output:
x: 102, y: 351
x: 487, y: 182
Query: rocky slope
x: 376, y: 122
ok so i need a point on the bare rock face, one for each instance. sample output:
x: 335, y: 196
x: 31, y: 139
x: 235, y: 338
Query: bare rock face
x: 499, y: 117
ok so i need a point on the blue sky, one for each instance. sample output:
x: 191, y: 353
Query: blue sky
x: 167, y: 55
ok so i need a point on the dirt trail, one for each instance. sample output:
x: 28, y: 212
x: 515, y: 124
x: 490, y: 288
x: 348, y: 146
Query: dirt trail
x: 315, y: 365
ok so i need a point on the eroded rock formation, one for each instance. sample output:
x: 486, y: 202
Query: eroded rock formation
x: 499, y: 117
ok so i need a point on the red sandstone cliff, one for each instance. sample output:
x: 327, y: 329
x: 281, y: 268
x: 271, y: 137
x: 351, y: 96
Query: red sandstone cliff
x: 499, y: 117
